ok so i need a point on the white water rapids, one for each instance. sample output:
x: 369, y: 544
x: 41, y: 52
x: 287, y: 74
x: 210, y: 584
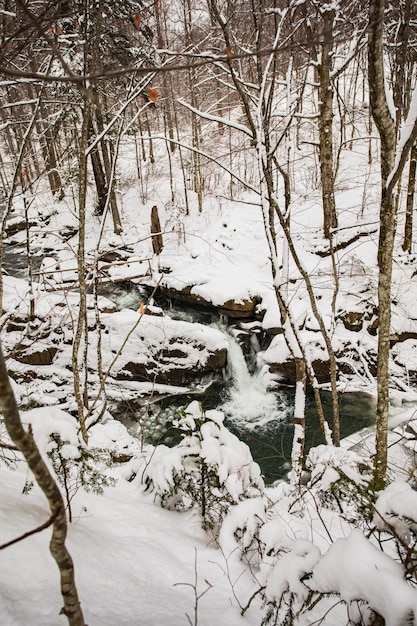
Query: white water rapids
x: 250, y: 402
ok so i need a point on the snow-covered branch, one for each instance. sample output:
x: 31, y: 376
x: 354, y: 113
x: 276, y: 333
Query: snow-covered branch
x: 408, y: 137
x: 205, y: 155
x: 215, y: 118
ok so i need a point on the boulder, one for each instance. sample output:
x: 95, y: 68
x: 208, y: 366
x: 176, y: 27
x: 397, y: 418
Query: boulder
x: 173, y: 367
x: 38, y: 355
x: 235, y: 309
x: 163, y: 350
x: 286, y: 371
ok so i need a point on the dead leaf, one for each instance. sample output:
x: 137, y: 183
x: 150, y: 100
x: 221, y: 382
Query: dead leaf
x: 136, y: 21
x: 153, y: 95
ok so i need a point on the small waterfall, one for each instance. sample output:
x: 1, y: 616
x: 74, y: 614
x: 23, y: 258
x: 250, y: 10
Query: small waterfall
x: 239, y: 371
x: 249, y: 402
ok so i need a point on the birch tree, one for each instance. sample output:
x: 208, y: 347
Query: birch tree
x: 257, y: 100
x: 393, y: 155
x: 24, y: 442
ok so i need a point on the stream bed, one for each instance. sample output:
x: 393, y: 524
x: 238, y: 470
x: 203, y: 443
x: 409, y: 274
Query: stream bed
x: 270, y: 439
x: 258, y: 416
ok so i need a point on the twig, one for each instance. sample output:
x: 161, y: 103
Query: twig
x: 39, y: 529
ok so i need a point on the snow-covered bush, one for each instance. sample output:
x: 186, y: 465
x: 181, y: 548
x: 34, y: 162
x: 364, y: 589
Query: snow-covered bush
x: 76, y: 465
x: 239, y: 533
x: 341, y: 479
x: 332, y: 552
x: 210, y: 468
x: 395, y: 517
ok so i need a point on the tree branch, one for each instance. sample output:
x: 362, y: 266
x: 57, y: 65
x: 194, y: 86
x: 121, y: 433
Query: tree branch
x: 30, y: 532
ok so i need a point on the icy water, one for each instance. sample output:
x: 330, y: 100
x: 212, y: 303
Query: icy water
x: 259, y: 417
x: 263, y: 419
x: 269, y: 435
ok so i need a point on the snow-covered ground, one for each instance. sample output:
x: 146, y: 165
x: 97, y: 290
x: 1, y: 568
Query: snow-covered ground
x: 135, y: 562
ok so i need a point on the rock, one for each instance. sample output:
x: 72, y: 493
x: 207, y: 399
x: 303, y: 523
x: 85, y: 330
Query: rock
x: 39, y: 356
x: 166, y: 351
x: 241, y: 309
x: 68, y: 232
x: 16, y: 226
x: 235, y: 309
x: 173, y: 368
x: 353, y: 320
x: 286, y: 371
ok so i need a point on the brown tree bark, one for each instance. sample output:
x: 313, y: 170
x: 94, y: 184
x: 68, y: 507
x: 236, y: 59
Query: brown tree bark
x: 408, y: 229
x: 387, y: 132
x: 117, y: 224
x: 47, y: 143
x: 23, y: 440
x: 157, y: 243
x: 99, y: 175
x: 326, y: 125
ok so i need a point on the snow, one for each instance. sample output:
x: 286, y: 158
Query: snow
x: 290, y: 569
x: 396, y: 507
x: 131, y: 559
x: 359, y: 571
x: 135, y: 561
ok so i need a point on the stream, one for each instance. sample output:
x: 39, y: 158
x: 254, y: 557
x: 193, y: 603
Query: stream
x: 258, y: 416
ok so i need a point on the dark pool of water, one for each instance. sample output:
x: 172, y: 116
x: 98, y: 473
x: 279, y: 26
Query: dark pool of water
x: 270, y: 443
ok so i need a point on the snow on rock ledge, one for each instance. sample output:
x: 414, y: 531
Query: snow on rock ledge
x: 162, y: 350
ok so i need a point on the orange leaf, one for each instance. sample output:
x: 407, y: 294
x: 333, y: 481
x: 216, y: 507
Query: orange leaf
x: 142, y: 308
x: 229, y: 52
x: 59, y: 29
x: 153, y: 95
x: 136, y: 21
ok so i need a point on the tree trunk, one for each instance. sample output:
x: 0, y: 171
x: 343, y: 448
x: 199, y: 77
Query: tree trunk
x: 408, y: 229
x: 81, y: 327
x: 157, y: 243
x: 99, y: 175
x: 23, y: 440
x: 117, y: 224
x: 387, y: 131
x: 297, y: 452
x: 326, y: 125
x: 47, y: 143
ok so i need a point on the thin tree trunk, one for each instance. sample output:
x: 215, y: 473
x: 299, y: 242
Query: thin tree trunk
x: 117, y: 224
x: 81, y: 323
x: 326, y: 125
x: 297, y: 453
x: 23, y: 440
x: 386, y: 127
x: 99, y: 175
x: 47, y: 142
x: 408, y: 229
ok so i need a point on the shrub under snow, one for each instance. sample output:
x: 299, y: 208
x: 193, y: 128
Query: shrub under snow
x: 210, y: 468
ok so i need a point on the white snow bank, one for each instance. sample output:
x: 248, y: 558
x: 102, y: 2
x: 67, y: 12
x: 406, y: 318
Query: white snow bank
x: 357, y: 570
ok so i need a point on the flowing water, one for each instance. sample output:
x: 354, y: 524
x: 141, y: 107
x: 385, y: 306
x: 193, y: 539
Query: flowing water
x: 263, y: 418
x: 258, y: 416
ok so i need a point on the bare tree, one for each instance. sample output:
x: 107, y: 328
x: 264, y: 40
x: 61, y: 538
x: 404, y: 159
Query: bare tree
x: 392, y: 165
x: 24, y: 442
